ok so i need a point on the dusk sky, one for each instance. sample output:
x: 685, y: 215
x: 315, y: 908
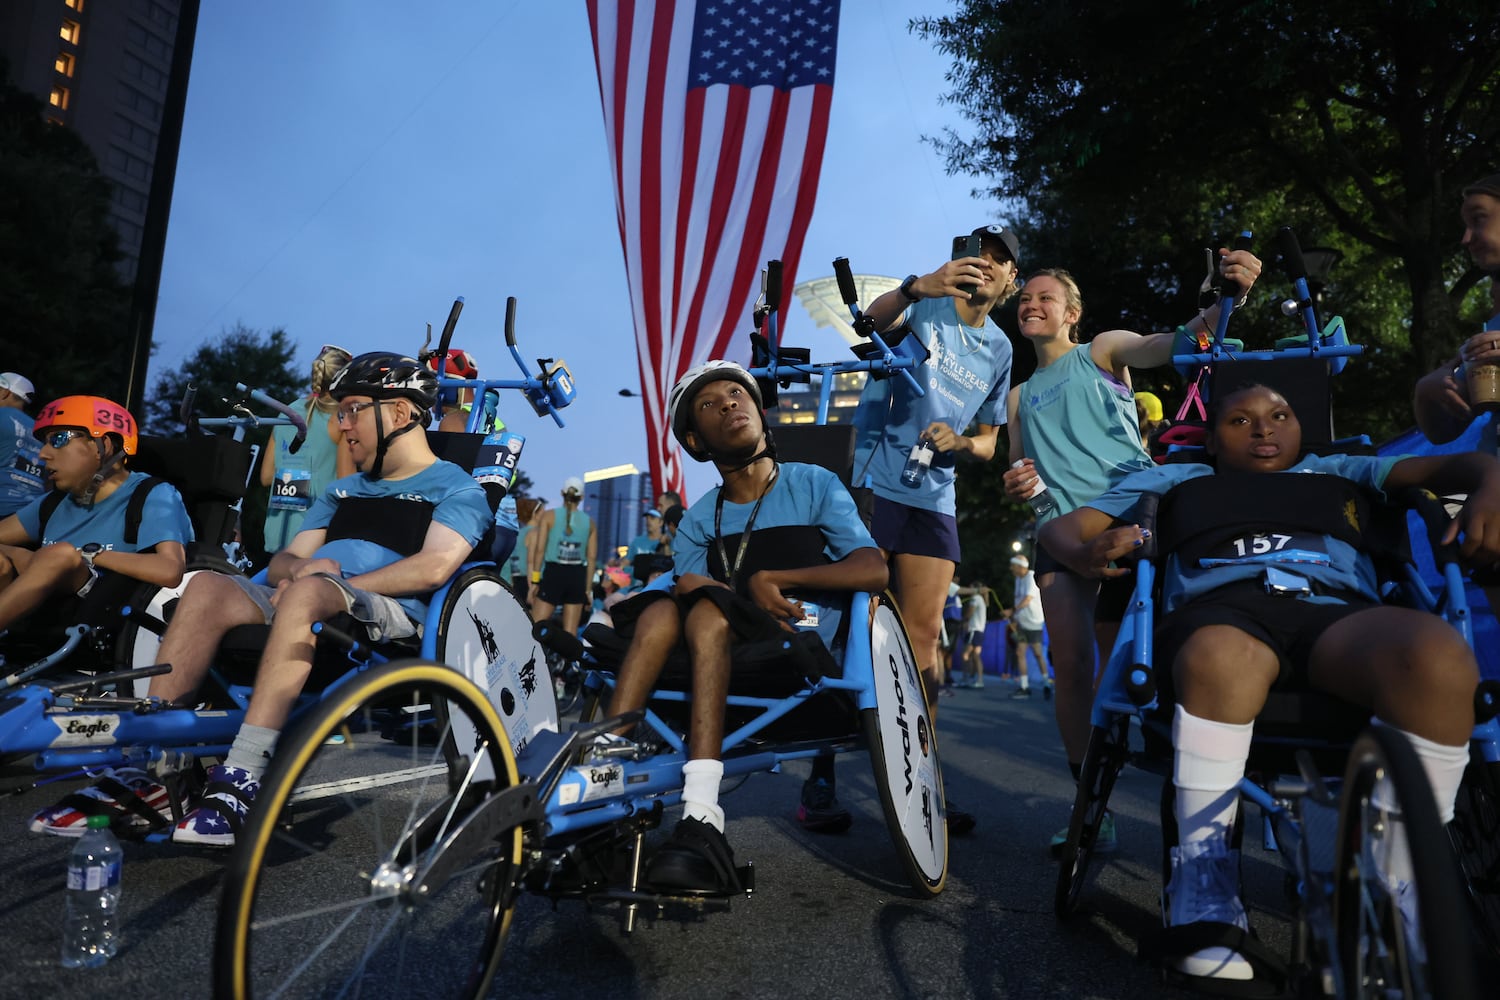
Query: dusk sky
x: 348, y: 168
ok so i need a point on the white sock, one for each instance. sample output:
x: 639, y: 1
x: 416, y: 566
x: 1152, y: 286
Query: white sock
x: 1025, y: 674
x: 700, y: 792
x: 1444, y: 766
x: 252, y: 749
x: 1208, y: 763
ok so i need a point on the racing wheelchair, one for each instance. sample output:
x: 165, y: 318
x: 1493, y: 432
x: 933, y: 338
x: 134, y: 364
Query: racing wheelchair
x: 1351, y: 935
x: 57, y: 727
x: 472, y: 813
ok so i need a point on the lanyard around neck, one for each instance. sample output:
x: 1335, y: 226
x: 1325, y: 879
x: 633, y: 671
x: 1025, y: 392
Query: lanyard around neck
x: 731, y: 572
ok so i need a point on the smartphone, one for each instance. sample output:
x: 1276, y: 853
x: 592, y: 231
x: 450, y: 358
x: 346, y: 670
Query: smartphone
x: 966, y: 246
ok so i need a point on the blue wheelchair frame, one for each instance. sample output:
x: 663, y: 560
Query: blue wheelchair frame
x: 1127, y: 690
x: 63, y: 729
x: 576, y: 815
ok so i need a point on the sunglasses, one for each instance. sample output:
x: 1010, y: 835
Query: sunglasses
x: 58, y: 440
x: 333, y: 347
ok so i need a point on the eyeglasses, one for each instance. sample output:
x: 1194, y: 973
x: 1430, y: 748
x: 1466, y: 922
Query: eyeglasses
x: 58, y: 440
x: 349, y: 414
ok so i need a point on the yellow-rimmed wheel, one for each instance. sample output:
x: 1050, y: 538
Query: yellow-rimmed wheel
x: 352, y: 875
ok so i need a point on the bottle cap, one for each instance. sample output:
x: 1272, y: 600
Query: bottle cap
x: 97, y: 822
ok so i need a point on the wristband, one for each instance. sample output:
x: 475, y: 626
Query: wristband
x: 89, y: 584
x: 536, y: 576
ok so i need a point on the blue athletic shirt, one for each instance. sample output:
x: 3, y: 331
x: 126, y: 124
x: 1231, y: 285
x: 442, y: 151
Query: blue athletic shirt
x: 20, y: 461
x: 966, y: 379
x: 458, y: 503
x: 1347, y: 568
x: 1078, y: 425
x: 163, y: 519
x: 802, y: 495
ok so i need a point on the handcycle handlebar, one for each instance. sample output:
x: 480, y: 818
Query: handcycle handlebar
x: 297, y: 419
x: 889, y: 362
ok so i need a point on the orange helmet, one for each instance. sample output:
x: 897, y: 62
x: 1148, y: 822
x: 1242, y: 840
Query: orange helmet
x: 95, y: 414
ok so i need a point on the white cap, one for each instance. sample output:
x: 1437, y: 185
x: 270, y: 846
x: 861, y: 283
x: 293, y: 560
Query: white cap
x: 573, y: 485
x: 18, y: 384
x: 1020, y: 561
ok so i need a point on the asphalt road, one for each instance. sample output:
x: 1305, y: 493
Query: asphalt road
x: 830, y: 917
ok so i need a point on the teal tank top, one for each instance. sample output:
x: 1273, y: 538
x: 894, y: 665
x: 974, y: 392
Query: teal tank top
x: 300, y: 478
x: 567, y: 542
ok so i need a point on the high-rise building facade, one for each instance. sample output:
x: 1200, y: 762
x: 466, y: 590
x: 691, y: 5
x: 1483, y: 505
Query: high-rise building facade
x: 617, y: 498
x: 116, y: 72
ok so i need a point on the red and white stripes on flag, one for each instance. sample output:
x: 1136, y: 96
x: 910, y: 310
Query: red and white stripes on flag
x: 716, y: 113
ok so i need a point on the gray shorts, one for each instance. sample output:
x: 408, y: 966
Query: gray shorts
x: 384, y: 617
x: 1028, y: 636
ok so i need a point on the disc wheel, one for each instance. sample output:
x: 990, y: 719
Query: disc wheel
x: 329, y: 891
x: 1102, y: 763
x: 904, y: 754
x: 1388, y: 823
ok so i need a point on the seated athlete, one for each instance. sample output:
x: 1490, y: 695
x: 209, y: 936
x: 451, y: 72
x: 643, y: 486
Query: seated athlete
x: 1239, y: 622
x: 754, y: 557
x: 374, y: 545
x: 99, y: 515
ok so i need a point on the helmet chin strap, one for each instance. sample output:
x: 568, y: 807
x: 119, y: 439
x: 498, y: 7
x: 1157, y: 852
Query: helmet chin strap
x: 384, y: 441
x: 107, y: 465
x: 767, y: 450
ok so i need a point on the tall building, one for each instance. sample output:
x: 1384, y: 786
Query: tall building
x: 617, y: 498
x: 798, y: 403
x: 116, y: 72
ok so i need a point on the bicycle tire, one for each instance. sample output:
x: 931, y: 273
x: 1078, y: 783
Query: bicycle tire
x: 1376, y: 957
x: 290, y: 923
x: 1475, y: 833
x: 1102, y: 763
x: 906, y: 751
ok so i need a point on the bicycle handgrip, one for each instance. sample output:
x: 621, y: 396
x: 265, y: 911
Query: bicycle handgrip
x: 847, y: 291
x: 560, y: 641
x: 447, y: 338
x: 773, y: 285
x: 510, y: 321
x: 1291, y: 253
x: 1223, y: 284
x: 297, y: 420
x: 189, y: 398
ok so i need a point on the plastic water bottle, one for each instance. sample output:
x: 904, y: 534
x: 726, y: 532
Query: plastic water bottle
x: 917, y: 463
x: 90, y: 931
x: 1040, y: 499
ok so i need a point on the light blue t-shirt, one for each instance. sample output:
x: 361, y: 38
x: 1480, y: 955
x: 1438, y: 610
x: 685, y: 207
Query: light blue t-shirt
x: 567, y: 542
x: 20, y: 461
x: 163, y: 519
x: 966, y: 379
x: 1346, y: 568
x: 1078, y: 425
x: 300, y: 478
x: 803, y: 495
x: 458, y: 503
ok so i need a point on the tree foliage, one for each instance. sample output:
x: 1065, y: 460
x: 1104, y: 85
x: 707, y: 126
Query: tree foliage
x: 1124, y: 138
x: 240, y: 355
x: 65, y: 309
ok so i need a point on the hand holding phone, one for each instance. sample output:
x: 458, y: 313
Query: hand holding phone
x: 966, y: 246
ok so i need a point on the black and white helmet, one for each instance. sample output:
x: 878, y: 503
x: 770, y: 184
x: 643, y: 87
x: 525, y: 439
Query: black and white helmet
x: 387, y: 375
x: 679, y: 408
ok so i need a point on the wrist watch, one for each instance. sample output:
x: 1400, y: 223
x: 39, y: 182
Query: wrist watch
x: 89, y: 552
x: 907, y: 291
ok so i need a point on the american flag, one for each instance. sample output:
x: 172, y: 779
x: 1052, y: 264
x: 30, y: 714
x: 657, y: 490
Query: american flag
x: 716, y: 114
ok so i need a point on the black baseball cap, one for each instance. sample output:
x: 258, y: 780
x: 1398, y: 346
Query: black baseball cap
x: 1005, y: 236
x: 1489, y: 185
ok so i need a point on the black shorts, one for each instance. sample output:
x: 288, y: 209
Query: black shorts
x: 1289, y: 626
x: 916, y: 531
x: 562, y: 584
x: 1115, y: 592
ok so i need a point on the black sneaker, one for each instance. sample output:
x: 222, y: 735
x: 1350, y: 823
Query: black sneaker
x: 1047, y: 691
x: 820, y: 811
x: 696, y: 859
x: 1021, y: 693
x: 960, y: 823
